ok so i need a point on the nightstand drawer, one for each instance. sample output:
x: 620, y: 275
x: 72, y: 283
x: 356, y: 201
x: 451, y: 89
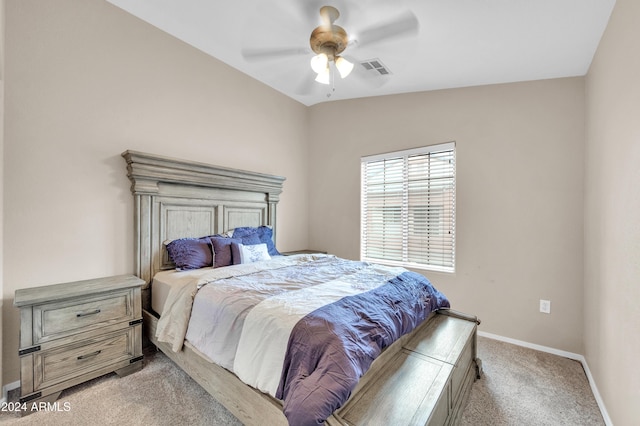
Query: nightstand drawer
x: 58, y: 365
x: 55, y: 320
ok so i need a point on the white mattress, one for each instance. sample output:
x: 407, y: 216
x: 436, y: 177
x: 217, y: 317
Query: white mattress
x: 165, y: 280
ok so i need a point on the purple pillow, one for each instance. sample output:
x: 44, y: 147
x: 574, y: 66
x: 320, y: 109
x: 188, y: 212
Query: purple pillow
x: 222, y: 254
x: 249, y: 239
x: 222, y: 250
x: 190, y: 253
x: 264, y: 233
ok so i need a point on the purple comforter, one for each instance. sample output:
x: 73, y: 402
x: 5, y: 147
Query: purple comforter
x: 333, y: 346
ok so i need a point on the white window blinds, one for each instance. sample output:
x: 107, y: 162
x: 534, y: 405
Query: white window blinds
x: 408, y: 208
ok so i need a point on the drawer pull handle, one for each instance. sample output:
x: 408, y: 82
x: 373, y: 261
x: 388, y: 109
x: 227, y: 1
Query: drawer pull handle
x: 84, y: 314
x: 89, y: 355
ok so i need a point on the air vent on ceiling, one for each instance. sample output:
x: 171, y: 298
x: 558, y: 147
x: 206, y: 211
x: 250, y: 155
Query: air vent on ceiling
x: 375, y: 65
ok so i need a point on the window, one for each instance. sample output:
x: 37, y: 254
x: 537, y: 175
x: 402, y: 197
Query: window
x: 408, y: 208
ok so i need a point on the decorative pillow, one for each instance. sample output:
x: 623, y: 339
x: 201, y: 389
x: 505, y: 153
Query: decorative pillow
x: 236, y: 257
x: 222, y: 253
x: 249, y: 239
x: 251, y: 253
x: 222, y: 250
x: 190, y: 253
x: 264, y: 233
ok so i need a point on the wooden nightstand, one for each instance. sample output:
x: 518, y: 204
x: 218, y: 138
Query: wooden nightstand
x: 74, y: 332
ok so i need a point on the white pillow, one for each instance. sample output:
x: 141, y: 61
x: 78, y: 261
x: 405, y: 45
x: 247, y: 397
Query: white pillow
x: 253, y: 253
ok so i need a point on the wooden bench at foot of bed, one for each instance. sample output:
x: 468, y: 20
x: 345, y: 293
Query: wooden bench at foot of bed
x: 426, y: 381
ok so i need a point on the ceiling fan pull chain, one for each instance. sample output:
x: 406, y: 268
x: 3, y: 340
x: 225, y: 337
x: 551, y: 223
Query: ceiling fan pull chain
x: 333, y: 82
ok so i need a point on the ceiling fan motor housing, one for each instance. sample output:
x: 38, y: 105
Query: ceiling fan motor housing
x: 330, y: 40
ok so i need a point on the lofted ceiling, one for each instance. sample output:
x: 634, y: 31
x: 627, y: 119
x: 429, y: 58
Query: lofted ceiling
x: 454, y: 43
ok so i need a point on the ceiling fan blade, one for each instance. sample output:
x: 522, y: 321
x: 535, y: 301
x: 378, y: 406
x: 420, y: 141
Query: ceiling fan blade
x: 402, y: 25
x: 265, y: 54
x: 278, y: 29
x: 290, y: 13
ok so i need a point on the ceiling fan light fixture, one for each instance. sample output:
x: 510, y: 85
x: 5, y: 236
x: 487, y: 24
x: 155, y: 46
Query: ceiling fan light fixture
x: 344, y: 67
x: 319, y: 63
x: 324, y: 76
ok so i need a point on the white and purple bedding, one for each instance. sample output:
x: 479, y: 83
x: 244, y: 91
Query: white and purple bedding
x: 303, y: 329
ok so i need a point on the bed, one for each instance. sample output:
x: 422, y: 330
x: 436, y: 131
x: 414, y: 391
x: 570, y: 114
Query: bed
x: 422, y: 378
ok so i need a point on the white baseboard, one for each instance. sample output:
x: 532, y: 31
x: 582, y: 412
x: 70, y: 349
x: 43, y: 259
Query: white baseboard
x: 565, y: 354
x: 7, y: 388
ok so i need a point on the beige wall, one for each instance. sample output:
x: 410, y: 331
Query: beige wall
x: 612, y: 216
x: 2, y: 26
x: 519, y: 189
x: 84, y: 82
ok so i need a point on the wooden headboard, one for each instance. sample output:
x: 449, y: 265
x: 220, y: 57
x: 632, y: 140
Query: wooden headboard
x: 178, y: 199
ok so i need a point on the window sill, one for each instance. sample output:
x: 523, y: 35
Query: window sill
x: 412, y: 266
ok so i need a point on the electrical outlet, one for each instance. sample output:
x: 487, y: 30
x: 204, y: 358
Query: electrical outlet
x: 545, y: 306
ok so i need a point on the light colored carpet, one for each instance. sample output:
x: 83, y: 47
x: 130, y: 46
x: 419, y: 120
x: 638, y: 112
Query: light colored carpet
x: 519, y: 387
x: 522, y: 386
x: 159, y: 394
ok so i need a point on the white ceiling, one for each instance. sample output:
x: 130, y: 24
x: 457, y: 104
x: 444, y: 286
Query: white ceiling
x: 458, y: 43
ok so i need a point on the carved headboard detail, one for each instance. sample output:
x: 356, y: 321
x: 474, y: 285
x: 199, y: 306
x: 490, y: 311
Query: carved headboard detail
x: 177, y: 198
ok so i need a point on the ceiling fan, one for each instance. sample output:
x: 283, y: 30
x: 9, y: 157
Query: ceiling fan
x: 328, y: 41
